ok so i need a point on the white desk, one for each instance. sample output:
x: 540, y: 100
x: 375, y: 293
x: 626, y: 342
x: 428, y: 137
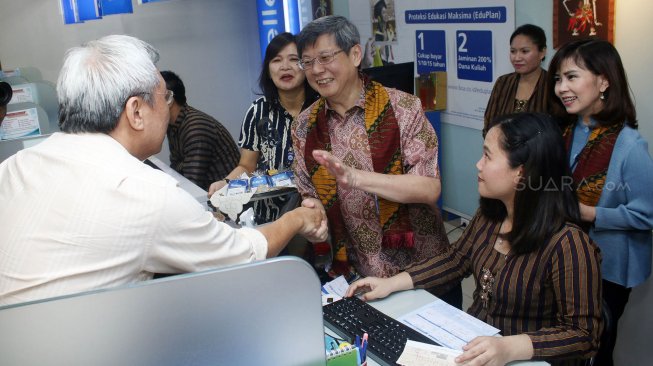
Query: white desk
x: 400, y: 303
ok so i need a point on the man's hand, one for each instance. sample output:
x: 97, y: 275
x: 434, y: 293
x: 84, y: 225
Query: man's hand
x: 313, y: 223
x: 345, y: 175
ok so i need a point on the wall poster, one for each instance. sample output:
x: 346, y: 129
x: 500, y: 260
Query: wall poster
x: 321, y: 8
x: 574, y: 19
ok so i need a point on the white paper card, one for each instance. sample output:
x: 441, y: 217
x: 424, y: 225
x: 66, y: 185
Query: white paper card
x: 447, y: 325
x: 22, y: 93
x: 19, y: 124
x: 422, y: 354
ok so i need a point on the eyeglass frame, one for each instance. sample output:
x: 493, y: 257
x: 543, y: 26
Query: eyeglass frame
x: 169, y: 97
x: 331, y: 55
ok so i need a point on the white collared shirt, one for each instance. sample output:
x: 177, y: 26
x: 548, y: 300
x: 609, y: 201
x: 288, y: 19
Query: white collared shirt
x: 78, y: 212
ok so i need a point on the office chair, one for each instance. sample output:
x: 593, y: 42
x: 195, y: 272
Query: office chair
x: 608, y: 330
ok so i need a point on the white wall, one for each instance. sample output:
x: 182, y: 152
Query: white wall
x: 212, y: 44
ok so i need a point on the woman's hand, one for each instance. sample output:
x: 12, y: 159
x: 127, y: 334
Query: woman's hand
x: 587, y: 213
x: 496, y: 351
x: 215, y: 186
x: 378, y: 288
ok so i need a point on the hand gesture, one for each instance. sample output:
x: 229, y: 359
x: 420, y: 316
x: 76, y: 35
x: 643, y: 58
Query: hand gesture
x: 345, y: 175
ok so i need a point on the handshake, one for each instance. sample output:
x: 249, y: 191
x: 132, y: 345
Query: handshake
x: 311, y: 219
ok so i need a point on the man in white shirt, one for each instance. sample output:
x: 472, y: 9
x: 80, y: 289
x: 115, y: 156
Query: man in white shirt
x: 81, y: 211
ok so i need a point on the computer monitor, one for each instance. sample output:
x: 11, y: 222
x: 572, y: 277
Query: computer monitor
x: 399, y: 76
x: 263, y: 313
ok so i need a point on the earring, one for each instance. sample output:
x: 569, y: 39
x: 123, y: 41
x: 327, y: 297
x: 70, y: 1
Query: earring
x: 602, y: 96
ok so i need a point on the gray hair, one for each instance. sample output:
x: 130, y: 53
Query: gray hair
x: 345, y: 32
x: 98, y: 77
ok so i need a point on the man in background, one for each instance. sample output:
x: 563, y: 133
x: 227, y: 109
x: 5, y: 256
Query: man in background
x: 81, y: 211
x: 201, y: 148
x: 5, y: 97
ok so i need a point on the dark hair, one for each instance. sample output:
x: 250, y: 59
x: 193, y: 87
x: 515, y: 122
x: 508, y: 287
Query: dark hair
x: 545, y: 198
x: 6, y: 93
x: 344, y: 31
x: 265, y: 82
x: 174, y: 83
x: 600, y: 58
x: 535, y: 33
x: 378, y: 8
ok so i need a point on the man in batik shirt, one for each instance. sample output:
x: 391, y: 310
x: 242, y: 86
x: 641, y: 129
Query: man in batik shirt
x: 368, y: 156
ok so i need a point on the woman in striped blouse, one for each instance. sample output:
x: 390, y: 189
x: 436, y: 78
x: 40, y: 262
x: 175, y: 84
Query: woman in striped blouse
x: 525, y: 89
x: 265, y: 141
x: 537, y: 273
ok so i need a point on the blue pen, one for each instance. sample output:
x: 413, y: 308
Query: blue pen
x: 357, y: 342
x: 364, y: 356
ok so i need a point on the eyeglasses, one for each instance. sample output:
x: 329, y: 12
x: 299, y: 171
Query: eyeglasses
x: 323, y: 59
x: 169, y: 95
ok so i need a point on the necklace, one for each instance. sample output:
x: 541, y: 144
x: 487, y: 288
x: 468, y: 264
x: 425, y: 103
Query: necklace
x: 499, y: 243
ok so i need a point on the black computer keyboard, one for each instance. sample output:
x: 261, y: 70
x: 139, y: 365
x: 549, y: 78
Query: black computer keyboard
x: 387, y: 337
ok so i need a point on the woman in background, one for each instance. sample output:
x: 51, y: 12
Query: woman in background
x: 537, y: 273
x: 265, y: 141
x: 612, y: 169
x: 525, y: 89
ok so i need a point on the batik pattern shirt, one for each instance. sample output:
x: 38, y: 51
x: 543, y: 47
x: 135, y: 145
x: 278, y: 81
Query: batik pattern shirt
x: 349, y: 142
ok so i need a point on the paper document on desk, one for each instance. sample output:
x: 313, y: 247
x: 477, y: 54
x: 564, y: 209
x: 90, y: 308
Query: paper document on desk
x: 447, y: 325
x: 334, y: 290
x: 419, y: 354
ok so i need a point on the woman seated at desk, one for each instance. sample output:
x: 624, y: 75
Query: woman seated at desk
x: 537, y: 273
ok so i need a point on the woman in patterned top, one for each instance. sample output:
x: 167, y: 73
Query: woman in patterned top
x: 537, y: 273
x: 265, y: 142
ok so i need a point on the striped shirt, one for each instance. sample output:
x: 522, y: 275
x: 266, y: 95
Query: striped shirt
x: 266, y: 129
x: 552, y: 294
x: 201, y: 149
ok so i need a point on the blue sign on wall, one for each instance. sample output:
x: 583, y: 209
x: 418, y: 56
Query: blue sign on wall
x: 491, y: 14
x: 431, y: 51
x: 88, y: 10
x: 474, y: 55
x: 110, y: 7
x: 270, y: 21
x: 68, y: 12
